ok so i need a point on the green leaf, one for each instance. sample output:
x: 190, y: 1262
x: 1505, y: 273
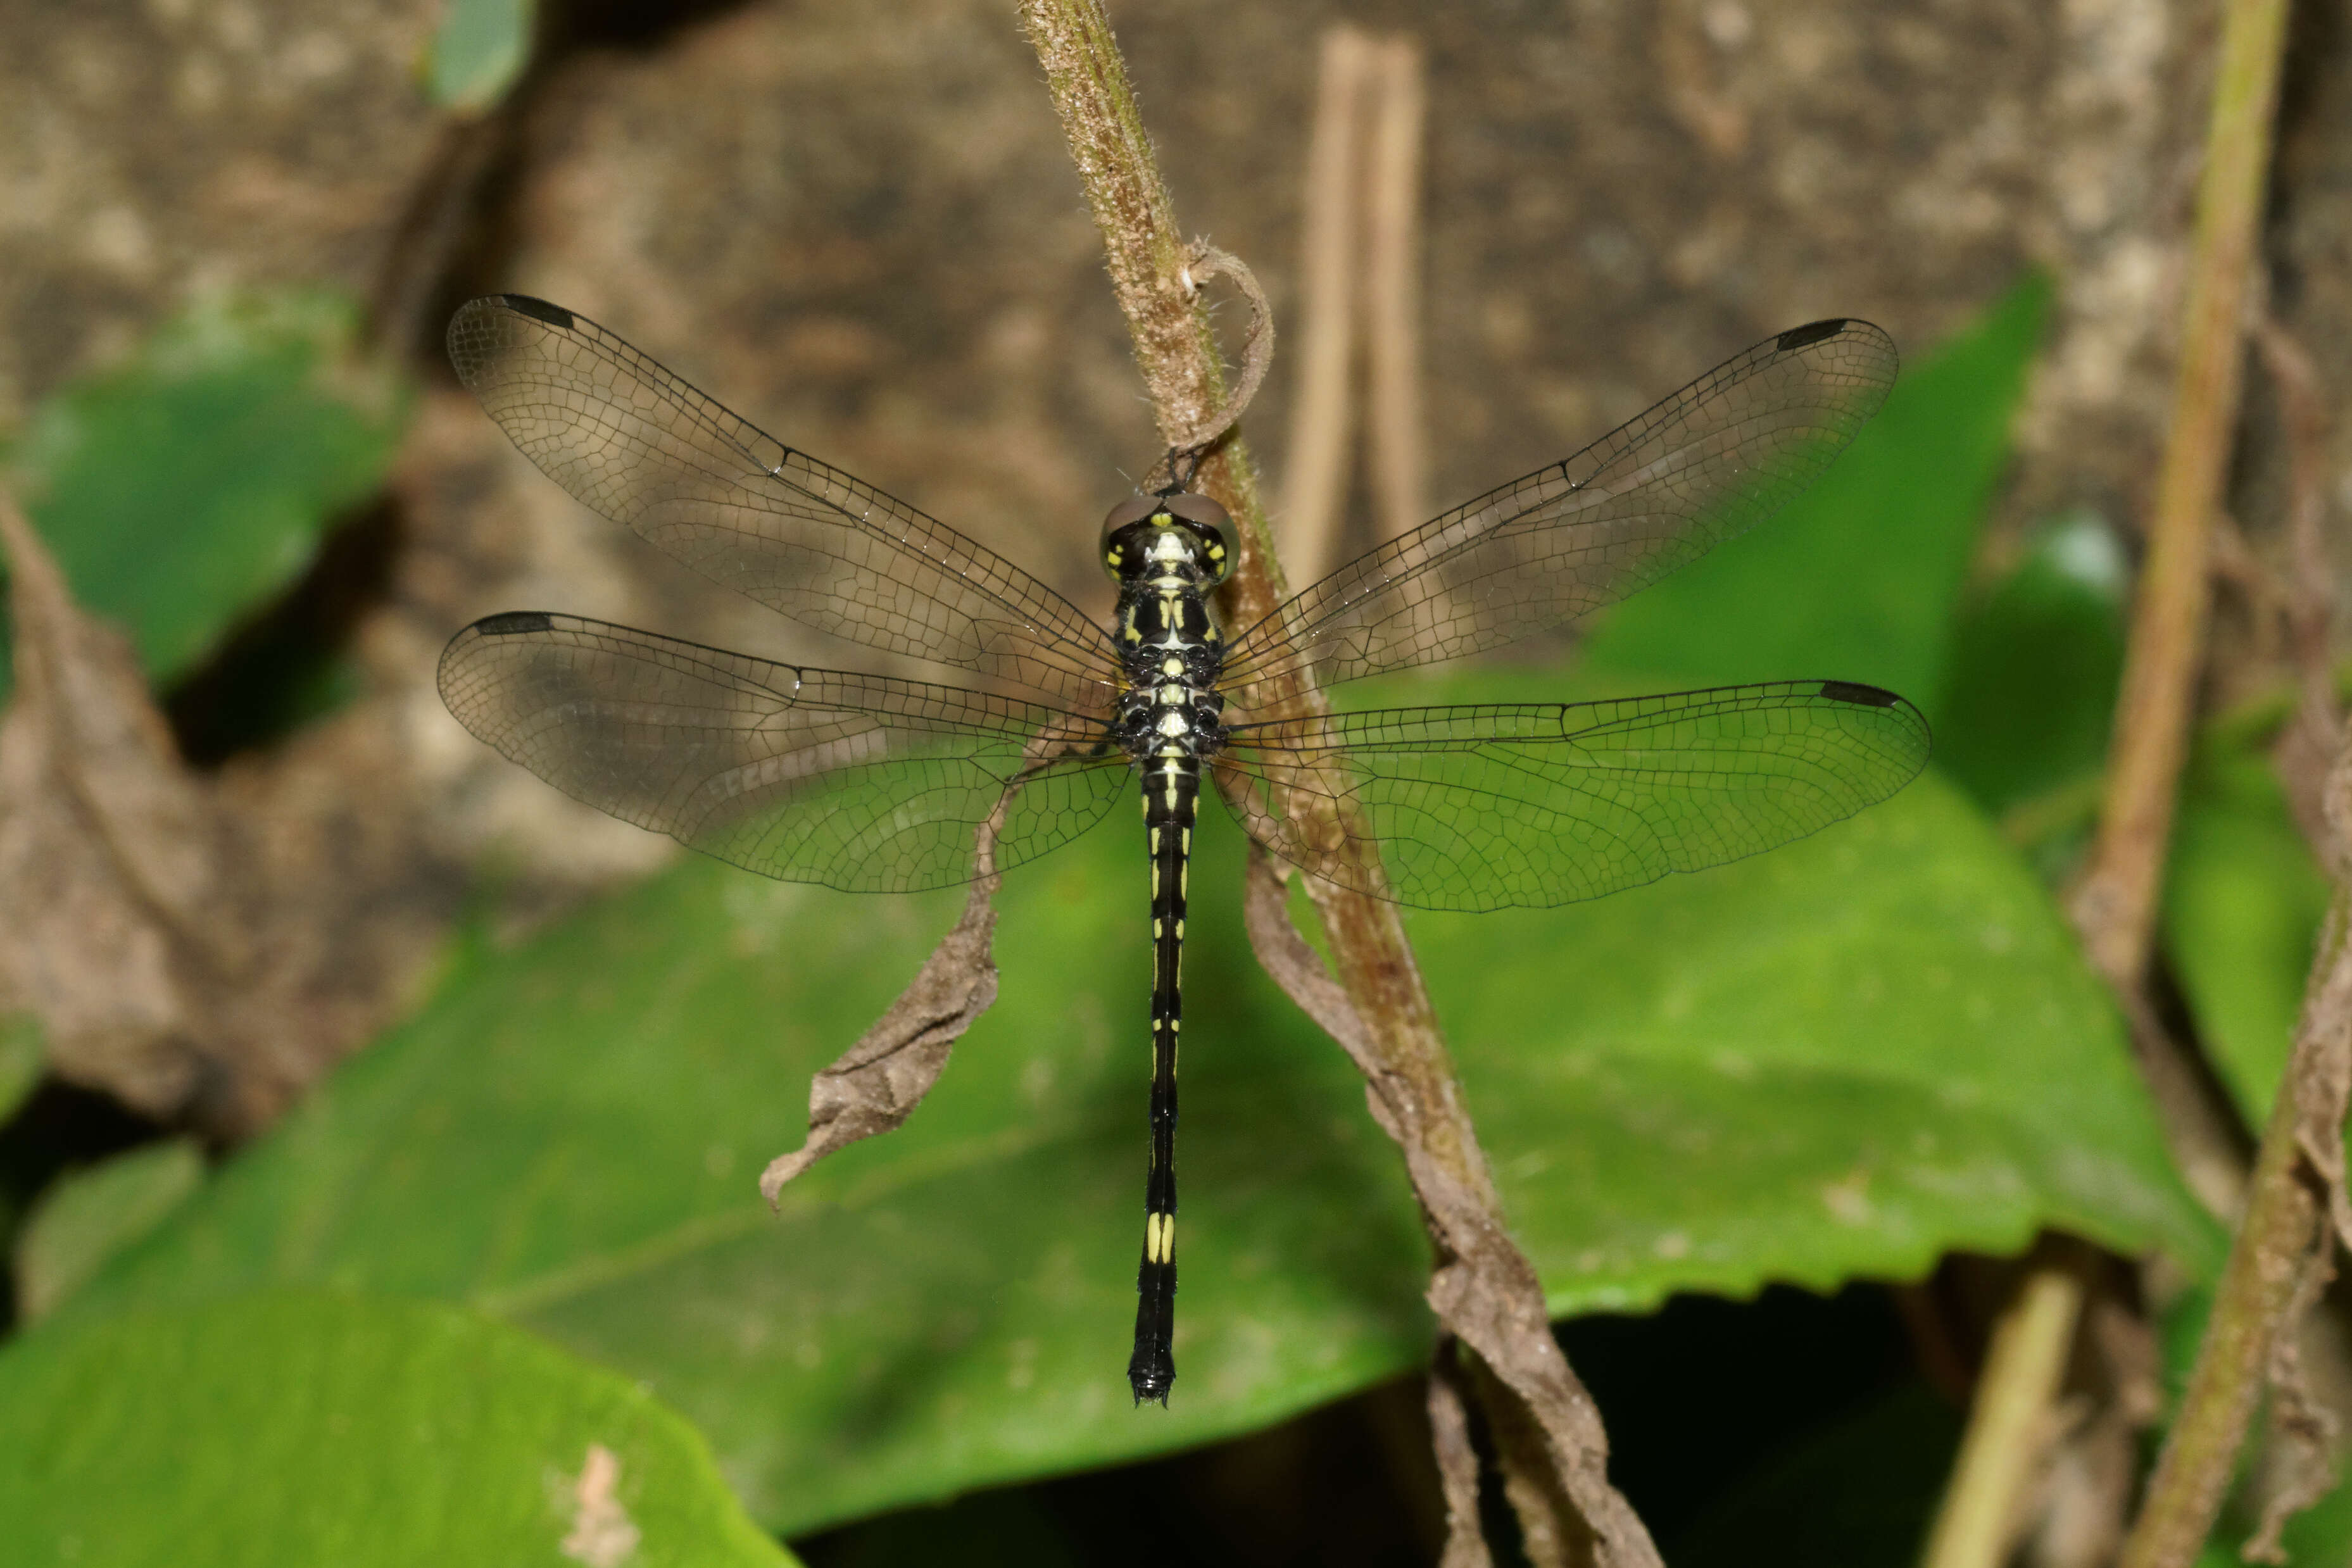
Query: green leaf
x: 1835, y: 1060
x: 22, y: 1053
x: 88, y: 1216
x: 2242, y: 904
x: 569, y: 1138
x: 2036, y: 661
x: 478, y: 53
x: 1840, y: 1060
x: 185, y: 488
x: 1858, y: 581
x: 314, y: 1428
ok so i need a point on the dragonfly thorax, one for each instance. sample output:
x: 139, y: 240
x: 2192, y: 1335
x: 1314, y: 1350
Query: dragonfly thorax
x: 1167, y: 554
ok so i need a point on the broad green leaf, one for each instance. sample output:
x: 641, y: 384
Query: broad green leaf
x: 2242, y: 904
x: 1836, y: 1060
x: 1840, y: 1060
x: 478, y: 53
x: 1858, y: 579
x: 287, y: 1427
x: 183, y: 489
x: 2036, y: 663
x: 21, y: 1056
x: 88, y: 1216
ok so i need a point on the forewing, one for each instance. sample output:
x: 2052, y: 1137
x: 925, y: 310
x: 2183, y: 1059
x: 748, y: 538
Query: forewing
x: 856, y: 781
x: 1710, y: 462
x: 1481, y: 808
x: 641, y: 446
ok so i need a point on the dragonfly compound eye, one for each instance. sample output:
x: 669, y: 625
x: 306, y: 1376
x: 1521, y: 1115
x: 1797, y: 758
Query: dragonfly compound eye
x: 1127, y: 514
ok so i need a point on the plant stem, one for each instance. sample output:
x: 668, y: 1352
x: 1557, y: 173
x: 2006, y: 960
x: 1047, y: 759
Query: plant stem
x: 2258, y: 1286
x: 2009, y: 1422
x: 2115, y: 904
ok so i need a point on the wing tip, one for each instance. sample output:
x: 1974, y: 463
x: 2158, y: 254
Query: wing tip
x: 512, y: 622
x: 1811, y: 332
x: 1859, y: 694
x: 538, y: 310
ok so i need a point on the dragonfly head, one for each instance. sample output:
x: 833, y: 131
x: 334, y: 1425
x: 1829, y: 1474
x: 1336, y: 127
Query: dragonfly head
x: 1174, y: 533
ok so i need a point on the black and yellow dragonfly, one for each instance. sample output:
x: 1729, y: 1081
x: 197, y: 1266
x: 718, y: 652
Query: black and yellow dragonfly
x: 876, y: 783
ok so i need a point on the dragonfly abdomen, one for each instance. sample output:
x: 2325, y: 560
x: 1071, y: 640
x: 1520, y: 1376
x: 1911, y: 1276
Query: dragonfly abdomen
x: 1172, y: 794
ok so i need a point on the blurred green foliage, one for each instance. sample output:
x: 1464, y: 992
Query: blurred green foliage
x: 21, y: 1055
x: 88, y: 1216
x: 479, y: 52
x: 2243, y: 900
x: 321, y: 1428
x: 2036, y: 659
x: 184, y: 488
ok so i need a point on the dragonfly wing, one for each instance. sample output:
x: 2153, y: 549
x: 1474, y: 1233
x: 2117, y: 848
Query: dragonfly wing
x: 1708, y: 463
x: 856, y: 781
x: 642, y: 446
x: 1540, y: 804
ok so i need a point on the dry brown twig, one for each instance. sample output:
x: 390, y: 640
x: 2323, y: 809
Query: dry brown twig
x: 1396, y: 456
x: 1359, y: 253
x: 2010, y: 1420
x: 1322, y: 406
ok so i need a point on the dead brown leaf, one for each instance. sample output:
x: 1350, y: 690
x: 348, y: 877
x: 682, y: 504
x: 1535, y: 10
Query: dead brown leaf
x: 201, y: 948
x: 876, y: 1083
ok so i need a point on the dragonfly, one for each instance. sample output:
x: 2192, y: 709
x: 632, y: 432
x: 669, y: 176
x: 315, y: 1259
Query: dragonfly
x: 879, y: 783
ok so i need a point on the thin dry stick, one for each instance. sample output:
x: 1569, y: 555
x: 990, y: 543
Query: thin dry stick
x: 1398, y: 454
x: 1484, y: 1290
x: 2115, y: 908
x: 2009, y: 1422
x: 2282, y: 1240
x: 1316, y: 484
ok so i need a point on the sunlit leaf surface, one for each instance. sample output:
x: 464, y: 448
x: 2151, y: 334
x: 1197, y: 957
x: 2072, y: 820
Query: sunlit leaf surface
x: 289, y: 1427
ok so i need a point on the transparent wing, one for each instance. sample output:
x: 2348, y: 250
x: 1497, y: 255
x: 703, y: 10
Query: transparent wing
x: 1481, y: 808
x: 648, y: 451
x: 855, y: 781
x: 1710, y: 462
